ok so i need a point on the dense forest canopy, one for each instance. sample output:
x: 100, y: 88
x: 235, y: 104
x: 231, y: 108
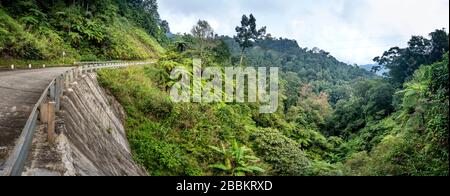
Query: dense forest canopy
x: 334, y: 119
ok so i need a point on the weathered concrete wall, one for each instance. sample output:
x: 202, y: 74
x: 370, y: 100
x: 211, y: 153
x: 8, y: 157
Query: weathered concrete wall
x: 91, y: 138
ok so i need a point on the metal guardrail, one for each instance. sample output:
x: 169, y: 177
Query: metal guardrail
x: 15, y: 163
x: 97, y: 62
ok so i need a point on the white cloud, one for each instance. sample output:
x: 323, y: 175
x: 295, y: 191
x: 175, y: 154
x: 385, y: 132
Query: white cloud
x: 353, y: 31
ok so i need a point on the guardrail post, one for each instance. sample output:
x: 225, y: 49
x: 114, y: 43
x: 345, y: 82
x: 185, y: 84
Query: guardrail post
x: 58, y: 92
x: 43, y: 113
x: 80, y: 71
x: 71, y: 75
x: 61, y: 84
x: 66, y: 77
x: 52, y: 90
x: 51, y: 123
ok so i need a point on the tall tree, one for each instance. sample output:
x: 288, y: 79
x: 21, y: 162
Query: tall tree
x: 204, y: 34
x: 145, y: 13
x: 165, y: 26
x: 247, y: 34
x: 403, y: 62
x: 440, y: 42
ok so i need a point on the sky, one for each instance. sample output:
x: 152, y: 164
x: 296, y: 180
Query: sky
x: 353, y: 31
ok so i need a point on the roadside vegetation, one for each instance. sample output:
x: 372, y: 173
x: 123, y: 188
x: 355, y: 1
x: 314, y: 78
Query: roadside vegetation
x: 60, y: 33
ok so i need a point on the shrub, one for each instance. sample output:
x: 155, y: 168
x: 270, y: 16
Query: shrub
x: 281, y: 152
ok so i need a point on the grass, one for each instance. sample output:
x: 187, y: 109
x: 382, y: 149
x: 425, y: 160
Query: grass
x: 34, y: 63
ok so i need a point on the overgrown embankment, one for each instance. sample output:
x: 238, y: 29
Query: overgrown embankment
x: 59, y: 32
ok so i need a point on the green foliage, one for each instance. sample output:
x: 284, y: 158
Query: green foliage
x: 83, y: 30
x: 333, y: 119
x: 311, y: 110
x: 145, y: 14
x: 320, y: 168
x: 203, y: 33
x: 175, y: 138
x: 379, y: 104
x: 414, y: 141
x: 300, y: 67
x: 403, y: 62
x: 237, y: 160
x: 370, y: 100
x: 162, y: 157
x: 282, y: 153
x: 375, y: 130
x: 146, y: 108
x: 221, y: 52
x: 15, y: 42
x: 129, y: 43
x: 247, y: 33
x: 188, y: 130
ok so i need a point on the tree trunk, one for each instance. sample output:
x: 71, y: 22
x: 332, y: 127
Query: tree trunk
x: 242, y: 56
x: 202, y: 45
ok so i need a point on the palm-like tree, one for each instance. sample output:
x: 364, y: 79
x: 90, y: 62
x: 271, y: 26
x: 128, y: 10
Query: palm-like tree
x: 181, y: 46
x: 238, y: 160
x: 163, y: 75
x: 163, y: 80
x: 414, y: 101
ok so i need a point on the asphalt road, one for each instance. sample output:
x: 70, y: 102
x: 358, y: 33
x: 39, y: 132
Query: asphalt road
x: 19, y: 92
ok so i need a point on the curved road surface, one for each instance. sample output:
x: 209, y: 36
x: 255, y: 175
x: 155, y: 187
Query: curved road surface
x: 19, y: 92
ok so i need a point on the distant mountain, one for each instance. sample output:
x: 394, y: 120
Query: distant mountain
x: 310, y: 65
x: 368, y: 67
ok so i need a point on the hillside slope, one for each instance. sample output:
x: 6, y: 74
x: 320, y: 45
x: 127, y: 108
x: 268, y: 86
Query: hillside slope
x: 58, y: 32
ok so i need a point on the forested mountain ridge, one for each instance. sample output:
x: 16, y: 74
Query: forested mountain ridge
x: 301, y: 66
x: 59, y: 31
x: 310, y: 64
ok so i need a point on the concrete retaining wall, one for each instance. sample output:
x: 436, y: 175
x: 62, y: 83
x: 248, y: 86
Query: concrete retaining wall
x: 90, y: 138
